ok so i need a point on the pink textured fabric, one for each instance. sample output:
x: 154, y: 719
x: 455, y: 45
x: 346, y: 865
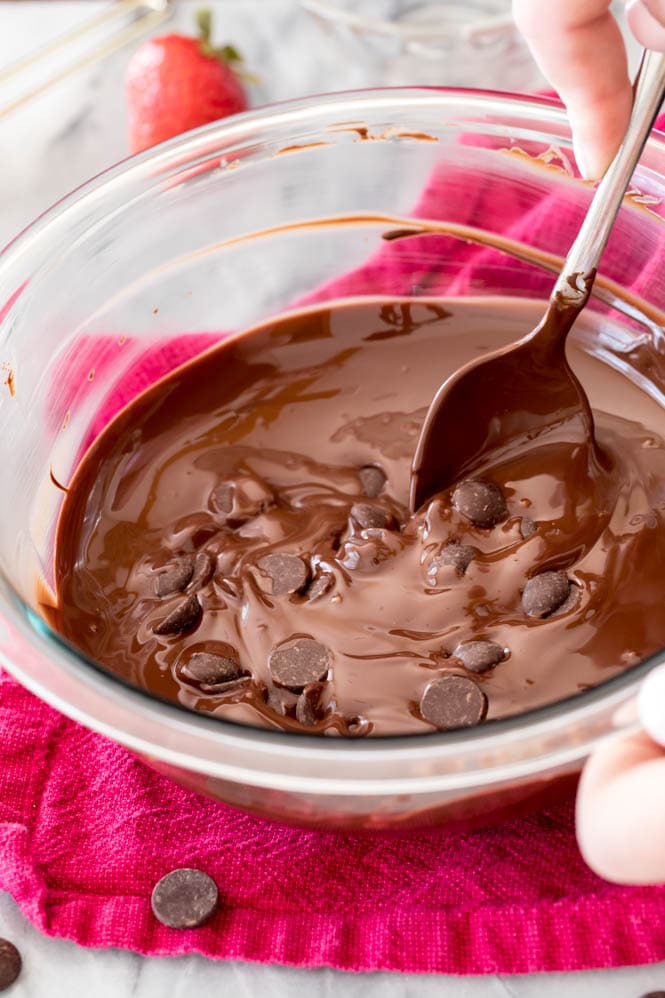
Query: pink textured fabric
x: 86, y: 829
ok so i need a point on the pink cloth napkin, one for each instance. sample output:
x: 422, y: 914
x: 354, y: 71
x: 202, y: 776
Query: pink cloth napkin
x: 86, y: 829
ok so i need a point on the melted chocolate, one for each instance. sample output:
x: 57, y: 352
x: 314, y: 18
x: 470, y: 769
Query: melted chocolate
x: 261, y: 447
x: 507, y: 399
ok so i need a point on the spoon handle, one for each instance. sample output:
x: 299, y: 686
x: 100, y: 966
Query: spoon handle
x: 586, y: 251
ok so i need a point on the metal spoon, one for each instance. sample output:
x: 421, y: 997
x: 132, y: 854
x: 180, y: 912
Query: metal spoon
x: 493, y: 404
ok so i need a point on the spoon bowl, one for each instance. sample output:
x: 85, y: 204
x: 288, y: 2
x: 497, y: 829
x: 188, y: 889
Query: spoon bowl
x: 490, y: 407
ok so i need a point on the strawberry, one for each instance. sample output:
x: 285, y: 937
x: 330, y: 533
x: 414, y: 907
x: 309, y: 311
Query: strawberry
x: 175, y: 83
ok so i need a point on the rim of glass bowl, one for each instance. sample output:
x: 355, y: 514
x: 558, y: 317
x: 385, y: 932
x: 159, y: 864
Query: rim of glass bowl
x: 481, y: 26
x: 510, y: 748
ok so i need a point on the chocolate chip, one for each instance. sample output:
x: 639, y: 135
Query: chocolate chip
x: 481, y: 502
x: 274, y: 701
x: 459, y: 556
x: 175, y: 577
x: 527, y: 527
x: 654, y: 994
x: 286, y: 573
x: 364, y: 555
x: 221, y: 499
x: 10, y: 964
x: 358, y: 727
x: 571, y: 600
x: 319, y: 587
x: 453, y: 702
x: 238, y: 501
x: 239, y: 685
x: 211, y: 670
x: 309, y: 707
x: 372, y: 480
x: 183, y: 618
x: 184, y: 899
x: 479, y: 656
x: 298, y: 663
x: 368, y: 516
x: 545, y: 593
x: 204, y: 567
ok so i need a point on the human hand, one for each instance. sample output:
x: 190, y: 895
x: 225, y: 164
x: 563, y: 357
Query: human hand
x: 621, y: 804
x: 579, y: 48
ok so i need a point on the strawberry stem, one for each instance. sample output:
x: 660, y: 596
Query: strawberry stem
x: 226, y: 53
x: 204, y: 24
x: 229, y: 53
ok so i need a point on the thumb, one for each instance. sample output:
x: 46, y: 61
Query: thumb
x: 620, y: 803
x: 621, y: 811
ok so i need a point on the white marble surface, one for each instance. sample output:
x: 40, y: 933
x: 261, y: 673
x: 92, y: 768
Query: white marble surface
x: 78, y: 128
x: 46, y: 149
x: 58, y: 969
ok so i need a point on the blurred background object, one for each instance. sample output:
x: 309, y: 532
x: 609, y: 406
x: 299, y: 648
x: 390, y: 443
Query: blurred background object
x: 458, y: 43
x: 112, y: 27
x: 63, y: 65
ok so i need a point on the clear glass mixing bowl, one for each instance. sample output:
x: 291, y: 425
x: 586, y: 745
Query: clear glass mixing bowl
x: 218, y: 230
x: 452, y: 43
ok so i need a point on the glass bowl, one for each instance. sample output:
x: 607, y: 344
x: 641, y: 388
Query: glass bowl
x: 427, y: 42
x: 219, y: 230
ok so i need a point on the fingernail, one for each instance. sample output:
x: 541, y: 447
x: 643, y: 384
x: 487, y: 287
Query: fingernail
x: 581, y: 160
x: 651, y: 705
x: 646, y: 22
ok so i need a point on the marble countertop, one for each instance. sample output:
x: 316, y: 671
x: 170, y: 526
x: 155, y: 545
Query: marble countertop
x: 53, y: 968
x: 48, y: 147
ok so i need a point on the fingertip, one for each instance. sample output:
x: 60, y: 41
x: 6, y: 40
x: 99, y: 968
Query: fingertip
x: 651, y: 705
x: 620, y: 813
x: 599, y: 124
x: 586, y: 162
x: 645, y: 25
x: 592, y: 159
